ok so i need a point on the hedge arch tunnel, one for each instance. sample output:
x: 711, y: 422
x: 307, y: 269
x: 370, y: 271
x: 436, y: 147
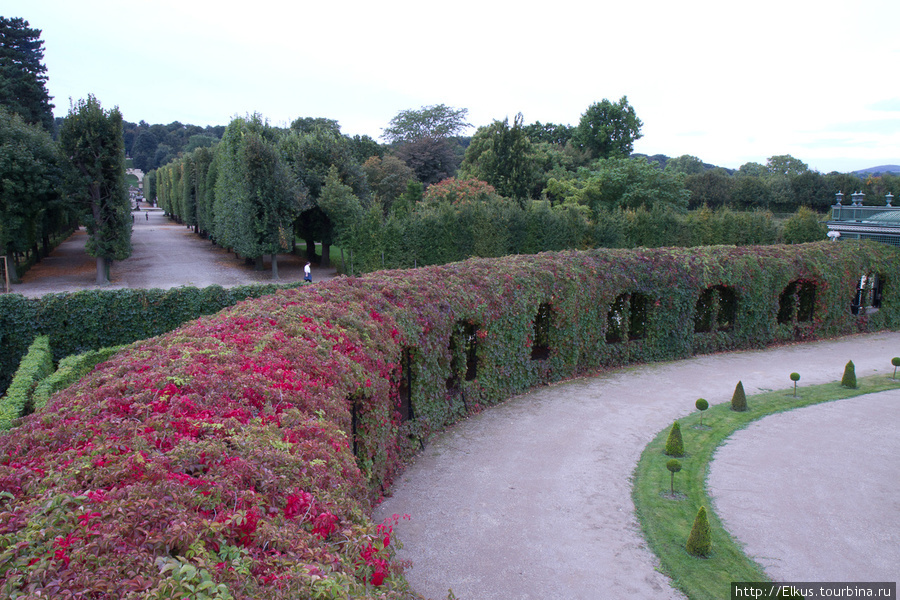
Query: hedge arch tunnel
x: 463, y: 358
x: 404, y: 387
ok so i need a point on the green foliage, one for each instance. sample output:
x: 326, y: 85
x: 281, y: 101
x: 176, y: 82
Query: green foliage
x: 435, y: 121
x: 673, y: 466
x: 69, y: 370
x: 896, y: 363
x: 795, y: 377
x: 23, y: 76
x: 848, y: 380
x: 609, y: 130
x: 36, y: 365
x: 702, y: 404
x: 804, y: 226
x: 503, y: 157
x: 91, y: 139
x: 675, y: 443
x: 739, y: 398
x: 699, y: 542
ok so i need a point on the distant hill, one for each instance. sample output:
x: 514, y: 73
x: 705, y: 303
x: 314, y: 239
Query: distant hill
x: 878, y: 170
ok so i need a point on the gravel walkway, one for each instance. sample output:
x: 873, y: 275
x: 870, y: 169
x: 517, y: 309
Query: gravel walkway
x: 532, y: 498
x: 165, y: 255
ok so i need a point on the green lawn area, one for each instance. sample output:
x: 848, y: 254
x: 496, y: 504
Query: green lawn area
x: 666, y: 522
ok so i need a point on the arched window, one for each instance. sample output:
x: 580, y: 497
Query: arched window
x: 627, y: 318
x: 715, y: 309
x: 540, y: 346
x: 869, y: 290
x: 797, y: 302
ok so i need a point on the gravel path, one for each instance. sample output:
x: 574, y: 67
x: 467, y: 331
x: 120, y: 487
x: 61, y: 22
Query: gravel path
x: 165, y: 255
x: 532, y: 498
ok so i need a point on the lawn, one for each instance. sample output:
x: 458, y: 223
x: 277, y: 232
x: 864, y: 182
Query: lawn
x: 667, y: 521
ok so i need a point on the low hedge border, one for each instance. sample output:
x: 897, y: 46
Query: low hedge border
x: 37, y: 364
x: 666, y: 523
x: 69, y: 370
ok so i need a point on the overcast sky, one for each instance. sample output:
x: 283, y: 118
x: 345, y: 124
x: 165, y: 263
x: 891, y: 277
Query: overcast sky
x: 728, y: 82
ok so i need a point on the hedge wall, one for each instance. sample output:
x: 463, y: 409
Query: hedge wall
x: 37, y: 364
x: 242, y: 451
x: 90, y: 320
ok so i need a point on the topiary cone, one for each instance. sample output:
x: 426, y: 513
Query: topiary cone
x: 849, y: 378
x: 674, y: 443
x: 699, y: 542
x: 739, y: 399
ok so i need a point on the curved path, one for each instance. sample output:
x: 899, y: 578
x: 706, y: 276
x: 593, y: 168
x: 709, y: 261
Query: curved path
x: 532, y: 498
x: 824, y: 506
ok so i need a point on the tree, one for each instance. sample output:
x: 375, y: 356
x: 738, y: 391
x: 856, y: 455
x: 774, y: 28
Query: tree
x: 699, y: 542
x: 502, y: 156
x: 803, y: 226
x: 712, y: 188
x: 550, y: 133
x: 849, y: 378
x: 437, y: 121
x: 786, y: 165
x: 30, y: 177
x: 739, y: 398
x: 23, y: 79
x: 687, y: 164
x: 388, y: 178
x: 702, y: 404
x: 673, y: 465
x: 675, y: 443
x: 795, y: 377
x: 608, y: 130
x: 91, y: 139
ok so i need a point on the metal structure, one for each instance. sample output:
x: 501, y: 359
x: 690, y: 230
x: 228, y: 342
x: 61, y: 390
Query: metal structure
x: 858, y: 222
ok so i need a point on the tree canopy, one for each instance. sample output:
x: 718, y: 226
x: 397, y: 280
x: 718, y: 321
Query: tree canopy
x: 23, y: 76
x: 609, y: 130
x: 435, y: 121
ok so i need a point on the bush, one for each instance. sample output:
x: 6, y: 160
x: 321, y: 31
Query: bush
x: 896, y: 362
x: 795, y: 377
x: 701, y: 405
x: 739, y: 399
x: 37, y: 364
x: 849, y: 378
x: 674, y: 465
x: 674, y: 443
x: 699, y: 542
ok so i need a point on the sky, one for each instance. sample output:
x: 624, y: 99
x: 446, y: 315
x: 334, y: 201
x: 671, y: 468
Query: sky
x: 727, y: 82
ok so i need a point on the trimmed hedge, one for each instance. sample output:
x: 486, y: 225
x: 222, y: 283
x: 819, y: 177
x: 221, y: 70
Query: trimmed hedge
x: 69, y: 370
x: 94, y: 319
x: 266, y: 431
x: 37, y: 364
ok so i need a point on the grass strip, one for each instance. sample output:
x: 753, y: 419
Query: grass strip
x: 666, y: 522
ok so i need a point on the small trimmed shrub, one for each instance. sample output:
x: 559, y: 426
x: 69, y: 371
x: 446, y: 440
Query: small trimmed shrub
x: 849, y: 378
x: 896, y: 362
x: 70, y: 370
x: 701, y: 405
x: 699, y: 542
x: 674, y: 443
x: 35, y: 366
x: 674, y: 465
x: 795, y: 377
x: 739, y: 399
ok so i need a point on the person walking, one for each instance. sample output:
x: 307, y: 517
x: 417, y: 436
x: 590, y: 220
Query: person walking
x: 307, y: 273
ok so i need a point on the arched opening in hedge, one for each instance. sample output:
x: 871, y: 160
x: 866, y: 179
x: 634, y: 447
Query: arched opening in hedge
x: 354, y: 403
x: 869, y: 290
x: 797, y: 302
x: 715, y: 309
x: 404, y: 387
x: 627, y: 318
x: 463, y: 354
x: 540, y: 346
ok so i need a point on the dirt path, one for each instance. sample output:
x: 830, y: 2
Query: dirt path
x: 165, y: 255
x: 532, y: 498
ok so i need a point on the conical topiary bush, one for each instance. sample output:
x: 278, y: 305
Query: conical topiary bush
x: 674, y: 443
x: 849, y: 378
x: 699, y: 542
x: 739, y: 399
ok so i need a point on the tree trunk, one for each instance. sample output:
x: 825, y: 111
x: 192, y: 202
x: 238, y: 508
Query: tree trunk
x: 326, y: 255
x: 274, y: 266
x: 102, y: 271
x: 310, y: 250
x: 11, y: 269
